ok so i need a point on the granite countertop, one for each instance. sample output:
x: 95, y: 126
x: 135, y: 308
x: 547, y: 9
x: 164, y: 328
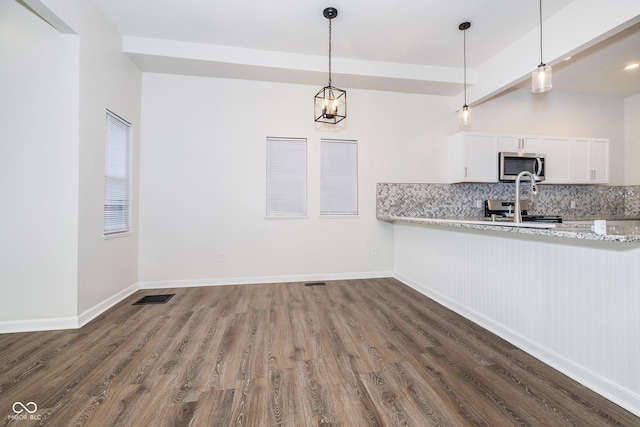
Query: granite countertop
x: 623, y: 231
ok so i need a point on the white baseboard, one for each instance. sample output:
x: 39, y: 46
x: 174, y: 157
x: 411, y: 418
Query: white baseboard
x: 105, y: 305
x: 599, y: 384
x: 34, y: 325
x: 161, y: 284
x: 71, y: 322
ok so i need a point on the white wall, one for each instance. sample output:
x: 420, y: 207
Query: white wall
x: 108, y: 80
x: 202, y: 181
x: 57, y: 270
x: 632, y: 139
x: 558, y: 114
x: 38, y: 168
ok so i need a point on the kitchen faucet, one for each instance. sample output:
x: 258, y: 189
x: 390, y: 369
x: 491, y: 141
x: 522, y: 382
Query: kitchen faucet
x: 517, y: 214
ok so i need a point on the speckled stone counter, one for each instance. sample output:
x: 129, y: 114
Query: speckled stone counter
x: 617, y: 231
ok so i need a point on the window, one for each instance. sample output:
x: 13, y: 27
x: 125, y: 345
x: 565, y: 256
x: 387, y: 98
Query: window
x: 338, y: 177
x: 286, y: 177
x: 117, y: 175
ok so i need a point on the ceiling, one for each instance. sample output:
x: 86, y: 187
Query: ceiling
x: 420, y: 33
x: 599, y: 70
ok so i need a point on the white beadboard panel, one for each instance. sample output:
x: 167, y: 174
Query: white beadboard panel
x: 574, y: 304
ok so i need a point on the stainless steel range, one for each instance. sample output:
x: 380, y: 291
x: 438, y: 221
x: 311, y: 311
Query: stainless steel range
x: 502, y: 210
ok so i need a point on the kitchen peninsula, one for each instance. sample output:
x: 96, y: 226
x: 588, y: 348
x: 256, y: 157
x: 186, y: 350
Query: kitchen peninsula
x: 569, y: 297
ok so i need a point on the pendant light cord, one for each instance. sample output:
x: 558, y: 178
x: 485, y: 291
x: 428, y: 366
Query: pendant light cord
x: 464, y: 44
x: 329, y: 51
x: 542, y: 64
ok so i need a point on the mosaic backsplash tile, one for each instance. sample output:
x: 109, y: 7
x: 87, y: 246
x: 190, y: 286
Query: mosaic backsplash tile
x: 459, y: 200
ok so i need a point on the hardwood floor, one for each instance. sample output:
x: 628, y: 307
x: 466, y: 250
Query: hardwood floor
x: 351, y: 353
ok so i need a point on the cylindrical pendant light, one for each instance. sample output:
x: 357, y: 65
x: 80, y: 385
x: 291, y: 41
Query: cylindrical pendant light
x: 464, y: 116
x: 541, y: 76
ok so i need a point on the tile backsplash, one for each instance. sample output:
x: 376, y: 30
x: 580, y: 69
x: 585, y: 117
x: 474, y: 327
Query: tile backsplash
x: 460, y: 200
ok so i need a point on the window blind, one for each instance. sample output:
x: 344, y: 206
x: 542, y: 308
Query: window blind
x: 338, y: 177
x: 117, y: 175
x: 286, y: 177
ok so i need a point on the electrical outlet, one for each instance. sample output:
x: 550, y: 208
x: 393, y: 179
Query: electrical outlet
x: 479, y: 204
x: 222, y: 257
x: 573, y: 204
x: 374, y: 252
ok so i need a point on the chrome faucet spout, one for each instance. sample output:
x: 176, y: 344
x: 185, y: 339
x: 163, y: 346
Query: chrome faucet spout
x: 517, y: 214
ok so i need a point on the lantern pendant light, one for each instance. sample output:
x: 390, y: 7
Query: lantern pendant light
x: 330, y: 103
x: 541, y: 76
x: 464, y: 118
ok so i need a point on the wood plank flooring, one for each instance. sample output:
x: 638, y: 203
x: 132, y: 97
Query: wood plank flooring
x: 351, y: 353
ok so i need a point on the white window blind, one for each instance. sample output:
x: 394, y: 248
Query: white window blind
x: 338, y: 177
x: 117, y: 175
x: 286, y: 177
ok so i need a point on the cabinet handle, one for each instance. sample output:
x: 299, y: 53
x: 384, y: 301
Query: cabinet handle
x: 592, y: 174
x: 465, y: 171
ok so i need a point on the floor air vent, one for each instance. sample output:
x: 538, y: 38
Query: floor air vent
x: 315, y: 284
x: 154, y: 299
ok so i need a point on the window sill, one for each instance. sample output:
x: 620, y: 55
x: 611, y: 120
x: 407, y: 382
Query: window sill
x: 286, y: 217
x: 117, y: 235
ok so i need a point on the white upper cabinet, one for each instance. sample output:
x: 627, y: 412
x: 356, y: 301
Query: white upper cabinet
x: 589, y: 161
x: 473, y: 157
x: 599, y: 161
x: 518, y: 143
x: 579, y: 160
x: 557, y: 153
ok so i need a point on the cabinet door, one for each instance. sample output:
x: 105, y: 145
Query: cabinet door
x: 509, y: 143
x: 580, y: 168
x: 518, y: 143
x: 481, y: 158
x: 557, y: 159
x: 530, y: 143
x: 473, y: 157
x: 599, y: 161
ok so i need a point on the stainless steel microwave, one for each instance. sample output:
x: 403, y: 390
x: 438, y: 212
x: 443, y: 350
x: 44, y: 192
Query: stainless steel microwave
x: 511, y: 164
